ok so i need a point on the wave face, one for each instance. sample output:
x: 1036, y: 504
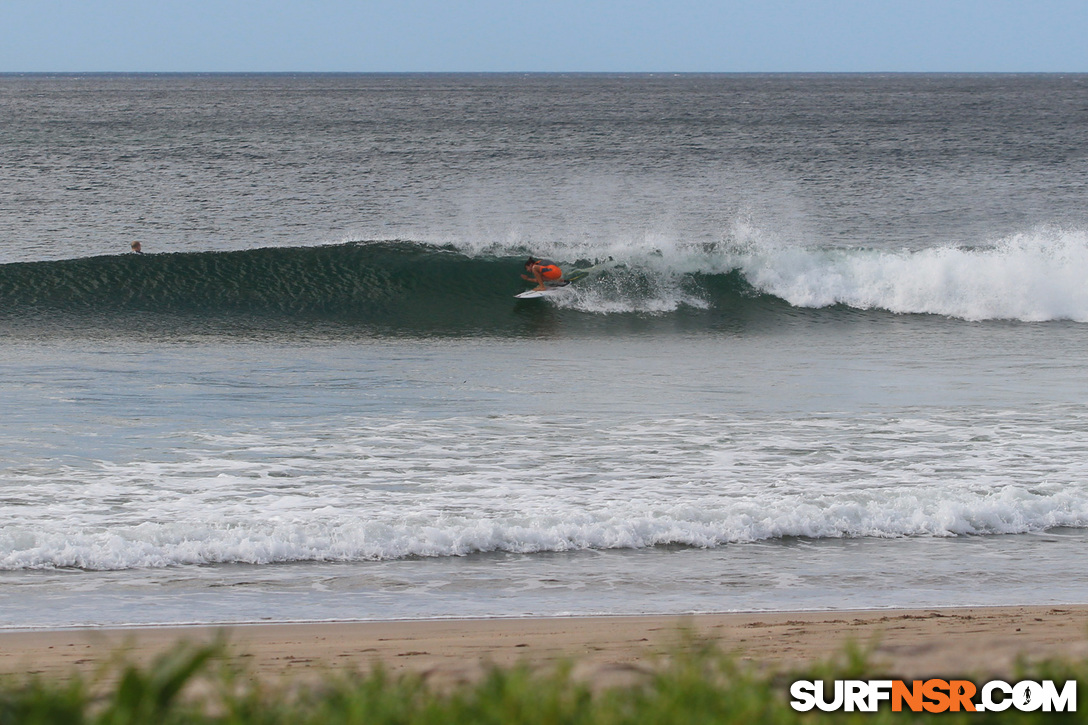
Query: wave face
x: 365, y: 282
x: 410, y: 286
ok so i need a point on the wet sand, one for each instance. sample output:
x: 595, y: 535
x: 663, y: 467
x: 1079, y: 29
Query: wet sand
x: 975, y: 642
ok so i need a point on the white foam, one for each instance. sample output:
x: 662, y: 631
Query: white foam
x: 374, y: 489
x: 1035, y: 276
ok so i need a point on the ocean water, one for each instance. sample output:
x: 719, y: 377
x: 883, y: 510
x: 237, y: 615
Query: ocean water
x: 830, y: 352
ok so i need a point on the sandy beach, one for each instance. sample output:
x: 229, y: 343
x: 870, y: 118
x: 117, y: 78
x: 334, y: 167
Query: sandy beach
x: 978, y: 642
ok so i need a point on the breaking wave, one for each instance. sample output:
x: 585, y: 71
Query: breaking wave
x: 411, y: 286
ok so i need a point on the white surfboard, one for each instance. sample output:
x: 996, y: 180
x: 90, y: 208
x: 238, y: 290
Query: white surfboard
x: 553, y: 289
x: 535, y: 293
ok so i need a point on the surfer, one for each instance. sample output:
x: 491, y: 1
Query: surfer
x: 542, y: 271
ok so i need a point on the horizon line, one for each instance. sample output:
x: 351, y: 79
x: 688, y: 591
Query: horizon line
x: 519, y: 72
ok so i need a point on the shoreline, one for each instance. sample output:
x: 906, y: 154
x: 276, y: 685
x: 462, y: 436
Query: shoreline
x: 982, y: 642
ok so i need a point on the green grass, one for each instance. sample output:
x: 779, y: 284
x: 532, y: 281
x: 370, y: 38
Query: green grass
x: 698, y: 684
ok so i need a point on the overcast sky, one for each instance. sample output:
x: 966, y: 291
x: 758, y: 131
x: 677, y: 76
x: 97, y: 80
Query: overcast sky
x: 544, y: 35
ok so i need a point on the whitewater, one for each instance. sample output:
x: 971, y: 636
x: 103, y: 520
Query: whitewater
x: 830, y: 352
x: 700, y: 482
